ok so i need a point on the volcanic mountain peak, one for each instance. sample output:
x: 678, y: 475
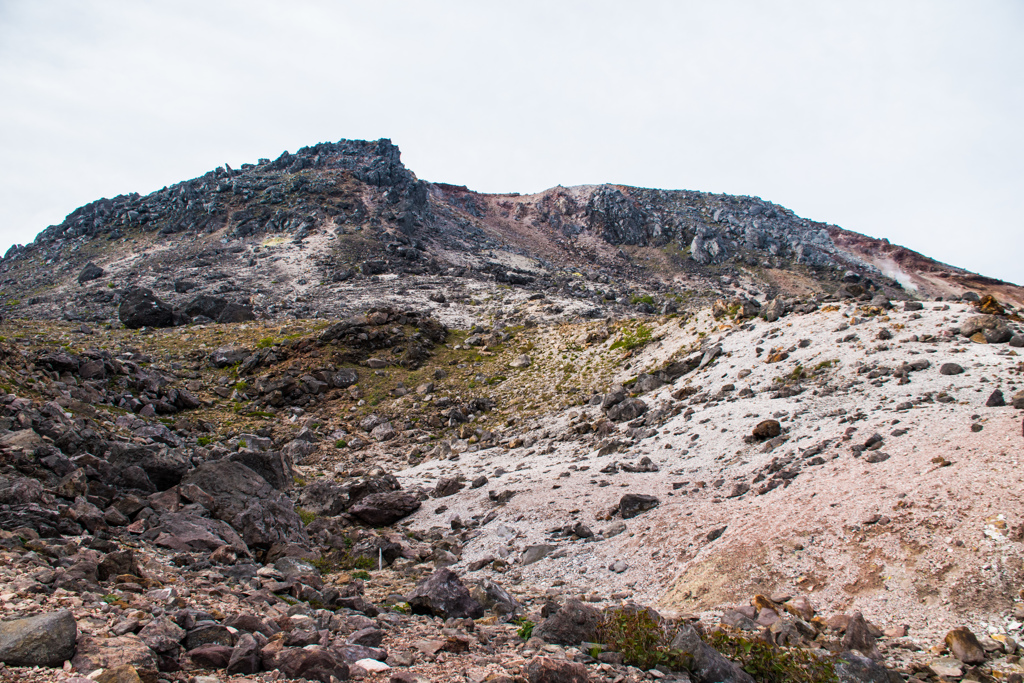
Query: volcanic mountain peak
x: 287, y: 235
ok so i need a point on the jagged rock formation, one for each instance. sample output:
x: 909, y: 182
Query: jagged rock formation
x: 291, y: 237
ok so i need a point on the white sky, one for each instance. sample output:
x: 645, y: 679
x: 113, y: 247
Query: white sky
x: 901, y: 119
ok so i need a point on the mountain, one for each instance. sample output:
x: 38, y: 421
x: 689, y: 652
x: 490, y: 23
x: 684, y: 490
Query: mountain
x: 298, y: 235
x: 315, y: 415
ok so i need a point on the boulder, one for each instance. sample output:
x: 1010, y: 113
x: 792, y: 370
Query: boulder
x: 116, y: 563
x: 995, y: 399
x: 853, y: 668
x: 186, y: 532
x: 549, y: 670
x: 44, y: 640
x: 211, y: 656
x: 965, y: 646
x: 226, y: 356
x: 707, y: 664
x: 632, y: 504
x: 246, y: 501
x: 495, y: 598
x: 271, y: 465
x: 206, y: 305
x: 164, y: 467
x: 858, y: 637
x: 245, y: 657
x: 950, y: 369
x: 447, y: 486
x: 442, y: 594
x: 162, y: 635
x: 382, y: 509
x: 614, y: 397
x: 536, y: 553
x: 767, y: 429
x: 312, y: 663
x: 573, y: 623
x: 106, y: 653
x: 773, y: 310
x: 90, y: 272
x: 236, y: 313
x: 140, y: 308
x: 627, y: 410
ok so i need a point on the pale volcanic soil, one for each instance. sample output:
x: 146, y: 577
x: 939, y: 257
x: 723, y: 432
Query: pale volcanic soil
x: 929, y: 537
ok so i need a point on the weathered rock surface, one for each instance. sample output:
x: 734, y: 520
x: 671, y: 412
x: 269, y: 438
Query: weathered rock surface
x: 46, y: 640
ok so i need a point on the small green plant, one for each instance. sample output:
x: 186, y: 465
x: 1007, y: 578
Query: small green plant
x: 324, y: 565
x: 306, y: 516
x: 642, y: 299
x: 241, y: 443
x: 265, y: 343
x: 632, y: 338
x: 204, y: 440
x: 364, y: 575
x: 769, y: 664
x: 403, y: 607
x: 525, y: 629
x: 241, y: 386
x: 110, y: 598
x: 299, y: 481
x: 363, y: 562
x: 340, y: 443
x: 110, y: 285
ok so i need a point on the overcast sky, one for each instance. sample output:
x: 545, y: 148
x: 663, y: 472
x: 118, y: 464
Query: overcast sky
x: 902, y: 120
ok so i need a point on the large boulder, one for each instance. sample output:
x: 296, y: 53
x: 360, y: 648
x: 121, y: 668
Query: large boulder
x: 107, y: 653
x: 246, y: 501
x: 627, y: 410
x: 312, y: 663
x: 271, y: 465
x: 632, y: 504
x: 163, y: 466
x: 382, y: 509
x: 236, y: 313
x: 186, y: 532
x: 443, y: 595
x: 965, y: 646
x: 44, y: 640
x: 549, y: 670
x: 140, y: 308
x: 206, y: 305
x: 572, y: 624
x: 90, y: 272
x: 708, y: 665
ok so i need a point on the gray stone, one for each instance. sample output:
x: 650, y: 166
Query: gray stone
x: 90, y: 272
x: 536, y: 553
x: 573, y: 623
x: 44, y: 640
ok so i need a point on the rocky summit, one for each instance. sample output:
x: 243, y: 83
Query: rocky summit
x: 318, y: 419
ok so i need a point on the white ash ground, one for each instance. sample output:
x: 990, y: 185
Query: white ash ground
x: 947, y: 554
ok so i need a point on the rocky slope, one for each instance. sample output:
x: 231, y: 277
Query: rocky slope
x: 316, y: 418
